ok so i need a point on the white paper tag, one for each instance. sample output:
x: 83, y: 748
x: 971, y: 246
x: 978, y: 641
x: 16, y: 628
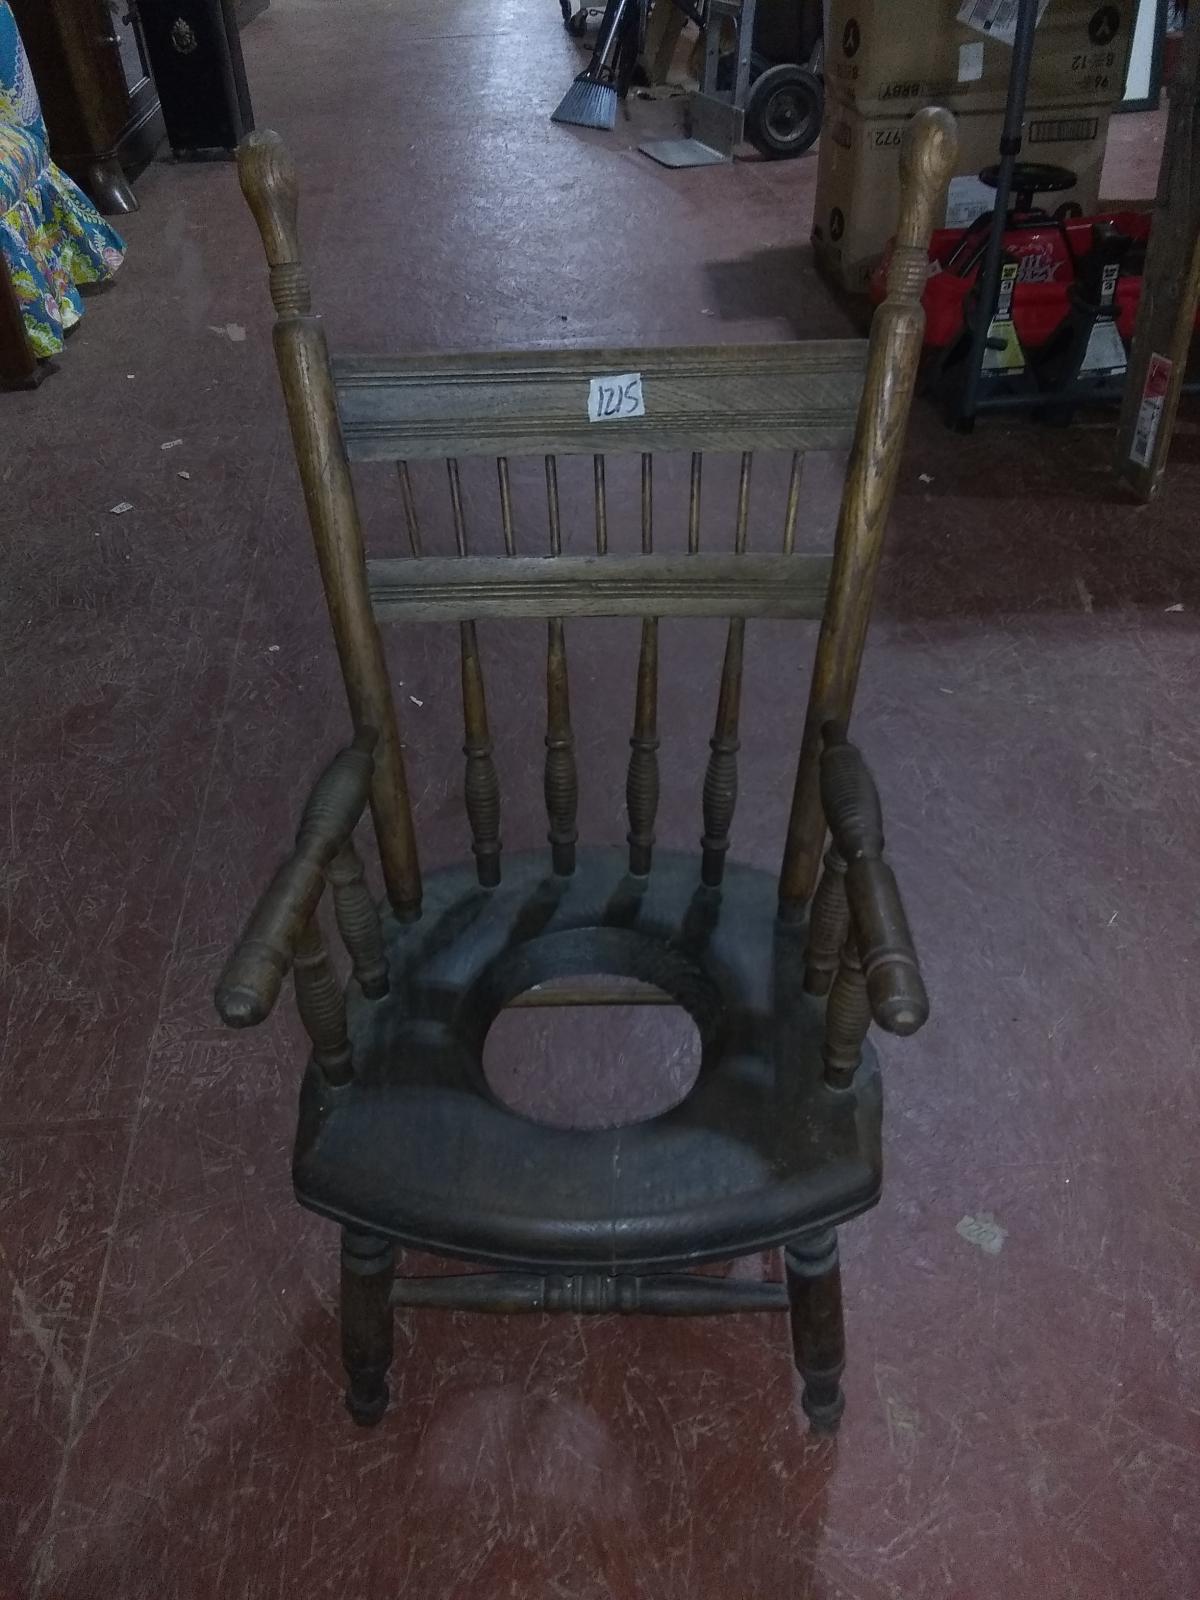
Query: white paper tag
x: 970, y: 62
x: 997, y: 19
x: 966, y: 199
x: 616, y: 399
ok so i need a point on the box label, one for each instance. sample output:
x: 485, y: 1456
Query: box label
x: 966, y: 199
x: 995, y: 18
x: 1063, y: 130
x: 970, y: 62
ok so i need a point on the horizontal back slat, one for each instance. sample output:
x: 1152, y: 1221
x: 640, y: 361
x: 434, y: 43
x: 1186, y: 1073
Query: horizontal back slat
x: 437, y: 589
x: 726, y: 397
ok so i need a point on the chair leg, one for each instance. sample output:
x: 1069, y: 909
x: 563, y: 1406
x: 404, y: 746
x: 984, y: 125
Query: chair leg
x: 814, y: 1280
x: 367, y: 1267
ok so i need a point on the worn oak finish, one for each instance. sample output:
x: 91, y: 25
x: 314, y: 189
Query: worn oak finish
x: 269, y: 184
x: 896, y: 334
x: 401, y: 1140
x: 440, y: 589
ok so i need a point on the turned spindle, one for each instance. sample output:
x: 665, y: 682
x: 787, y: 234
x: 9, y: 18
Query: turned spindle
x: 721, y: 774
x: 828, y: 926
x: 358, y: 921
x: 321, y: 1003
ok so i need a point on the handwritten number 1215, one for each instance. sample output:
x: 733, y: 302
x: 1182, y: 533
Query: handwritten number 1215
x: 624, y: 401
x: 614, y: 398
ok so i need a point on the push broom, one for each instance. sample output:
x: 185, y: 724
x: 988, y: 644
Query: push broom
x: 591, y: 101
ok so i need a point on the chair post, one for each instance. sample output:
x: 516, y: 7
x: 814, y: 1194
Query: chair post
x: 268, y: 182
x: 321, y: 1004
x: 897, y: 330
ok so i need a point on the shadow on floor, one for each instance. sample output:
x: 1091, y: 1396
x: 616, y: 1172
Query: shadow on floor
x: 781, y: 283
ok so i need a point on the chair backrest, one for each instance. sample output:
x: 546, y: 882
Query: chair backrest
x: 551, y: 404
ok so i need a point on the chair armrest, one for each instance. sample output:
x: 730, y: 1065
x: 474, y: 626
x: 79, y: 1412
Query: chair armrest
x: 895, y: 988
x: 249, y: 986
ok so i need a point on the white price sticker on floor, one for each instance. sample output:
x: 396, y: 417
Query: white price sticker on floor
x: 616, y: 399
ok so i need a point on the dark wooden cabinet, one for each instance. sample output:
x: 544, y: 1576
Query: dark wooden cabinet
x: 195, y: 53
x: 99, y: 100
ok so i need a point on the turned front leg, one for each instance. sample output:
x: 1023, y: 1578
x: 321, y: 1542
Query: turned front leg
x: 368, y: 1264
x: 814, y: 1280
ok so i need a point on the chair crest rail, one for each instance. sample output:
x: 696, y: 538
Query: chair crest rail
x: 725, y: 397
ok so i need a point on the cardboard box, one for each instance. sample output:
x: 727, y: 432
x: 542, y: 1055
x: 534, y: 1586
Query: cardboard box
x: 858, y: 176
x: 891, y: 57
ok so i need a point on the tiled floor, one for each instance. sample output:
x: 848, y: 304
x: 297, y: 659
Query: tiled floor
x: 1020, y: 1423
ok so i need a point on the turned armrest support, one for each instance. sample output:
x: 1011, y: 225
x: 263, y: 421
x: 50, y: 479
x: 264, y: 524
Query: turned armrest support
x: 878, y: 925
x: 250, y: 984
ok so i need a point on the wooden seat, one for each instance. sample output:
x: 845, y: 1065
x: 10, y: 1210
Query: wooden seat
x: 401, y: 1139
x: 755, y: 1154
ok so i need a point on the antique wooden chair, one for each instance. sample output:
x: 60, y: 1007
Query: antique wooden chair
x: 400, y: 1138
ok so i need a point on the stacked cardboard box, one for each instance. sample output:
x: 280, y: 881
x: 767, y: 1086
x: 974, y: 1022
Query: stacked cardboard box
x: 887, y: 58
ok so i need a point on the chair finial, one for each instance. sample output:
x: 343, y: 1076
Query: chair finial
x: 268, y: 181
x: 927, y: 160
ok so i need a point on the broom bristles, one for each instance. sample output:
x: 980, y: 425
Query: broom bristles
x: 588, y: 104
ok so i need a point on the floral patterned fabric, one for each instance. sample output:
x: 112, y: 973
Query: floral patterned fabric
x: 52, y: 236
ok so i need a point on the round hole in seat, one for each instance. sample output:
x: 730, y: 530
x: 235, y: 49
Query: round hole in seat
x: 591, y: 1066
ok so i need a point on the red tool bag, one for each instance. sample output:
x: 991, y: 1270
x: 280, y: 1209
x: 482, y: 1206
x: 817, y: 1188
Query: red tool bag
x: 1048, y: 251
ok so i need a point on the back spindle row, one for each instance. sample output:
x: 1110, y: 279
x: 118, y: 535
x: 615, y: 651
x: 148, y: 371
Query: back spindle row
x: 561, y: 782
x: 600, y: 488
